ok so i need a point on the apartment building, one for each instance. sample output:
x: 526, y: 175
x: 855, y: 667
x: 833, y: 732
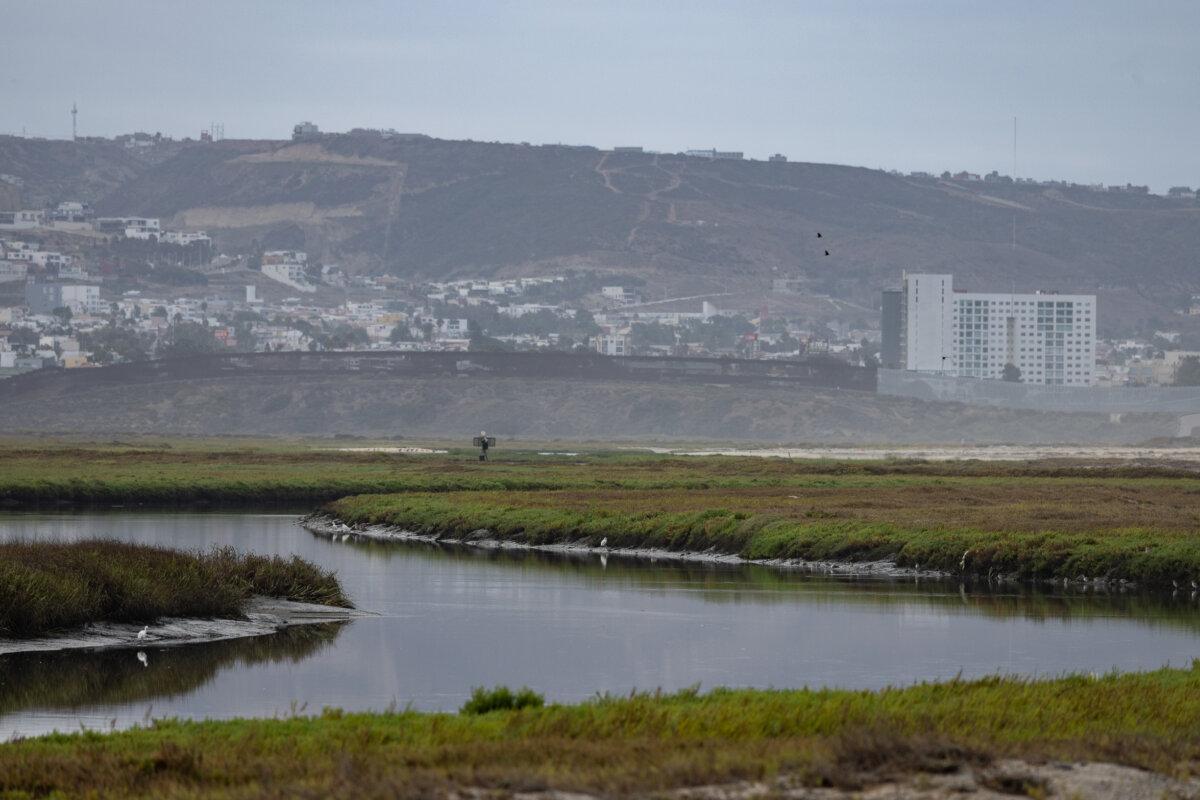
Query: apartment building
x: 1049, y: 338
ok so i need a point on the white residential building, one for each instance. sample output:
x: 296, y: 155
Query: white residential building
x: 129, y: 227
x: 616, y: 343
x: 289, y: 274
x: 181, y: 238
x: 20, y: 220
x: 525, y: 309
x: 289, y: 267
x: 619, y: 295
x: 278, y: 337
x: 1049, y: 337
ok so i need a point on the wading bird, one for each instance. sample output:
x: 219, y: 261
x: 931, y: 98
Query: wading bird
x: 143, y: 633
x: 604, y: 542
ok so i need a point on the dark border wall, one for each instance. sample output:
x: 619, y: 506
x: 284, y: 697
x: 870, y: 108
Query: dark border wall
x: 821, y: 373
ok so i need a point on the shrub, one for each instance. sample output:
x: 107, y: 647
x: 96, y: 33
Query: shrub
x: 501, y: 698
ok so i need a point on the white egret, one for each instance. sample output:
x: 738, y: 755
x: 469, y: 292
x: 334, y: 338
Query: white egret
x: 604, y: 542
x: 144, y: 633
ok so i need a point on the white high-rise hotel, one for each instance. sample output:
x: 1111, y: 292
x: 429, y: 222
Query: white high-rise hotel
x: 1050, y: 338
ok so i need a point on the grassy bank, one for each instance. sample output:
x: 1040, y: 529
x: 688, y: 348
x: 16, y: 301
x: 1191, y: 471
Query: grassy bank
x: 1140, y: 529
x: 1063, y: 519
x: 643, y: 743
x: 47, y: 586
x: 260, y: 475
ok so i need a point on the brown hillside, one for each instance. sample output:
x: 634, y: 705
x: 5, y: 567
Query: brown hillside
x: 424, y: 207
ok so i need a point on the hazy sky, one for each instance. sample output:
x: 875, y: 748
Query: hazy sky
x: 1103, y: 91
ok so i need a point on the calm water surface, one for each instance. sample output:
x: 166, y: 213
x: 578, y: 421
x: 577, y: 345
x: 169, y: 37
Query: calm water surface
x: 453, y: 619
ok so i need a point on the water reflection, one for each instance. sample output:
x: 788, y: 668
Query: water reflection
x: 451, y: 618
x: 718, y: 582
x: 80, y: 679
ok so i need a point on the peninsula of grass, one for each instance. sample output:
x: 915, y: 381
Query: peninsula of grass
x: 646, y: 743
x: 1136, y: 529
x: 49, y: 586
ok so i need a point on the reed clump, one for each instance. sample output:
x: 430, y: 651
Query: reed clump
x: 48, y: 586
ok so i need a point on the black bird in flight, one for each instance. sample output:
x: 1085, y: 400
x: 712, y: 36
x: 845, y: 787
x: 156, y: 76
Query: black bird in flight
x: 826, y: 252
x: 818, y: 234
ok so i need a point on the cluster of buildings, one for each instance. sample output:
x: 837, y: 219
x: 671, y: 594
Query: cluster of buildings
x: 994, y: 177
x: 74, y: 217
x: 927, y: 326
x: 486, y: 290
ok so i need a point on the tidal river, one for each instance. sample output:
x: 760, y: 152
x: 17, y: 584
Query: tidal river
x: 451, y: 619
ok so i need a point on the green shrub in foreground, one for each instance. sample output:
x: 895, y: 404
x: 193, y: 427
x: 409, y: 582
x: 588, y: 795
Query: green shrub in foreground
x: 501, y: 698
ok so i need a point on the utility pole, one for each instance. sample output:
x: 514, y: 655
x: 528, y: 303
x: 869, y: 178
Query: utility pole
x: 1014, y: 176
x: 74, y: 129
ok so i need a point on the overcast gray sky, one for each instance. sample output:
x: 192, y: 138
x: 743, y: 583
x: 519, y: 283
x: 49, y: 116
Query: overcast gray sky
x: 1104, y: 91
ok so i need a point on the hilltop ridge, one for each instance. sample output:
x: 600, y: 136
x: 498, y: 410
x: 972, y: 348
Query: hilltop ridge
x: 421, y: 208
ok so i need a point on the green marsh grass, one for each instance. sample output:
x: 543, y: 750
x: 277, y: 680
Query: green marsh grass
x: 49, y: 586
x: 640, y: 743
x: 262, y: 476
x: 1142, y: 530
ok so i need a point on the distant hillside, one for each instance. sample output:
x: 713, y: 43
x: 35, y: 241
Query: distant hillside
x: 424, y: 207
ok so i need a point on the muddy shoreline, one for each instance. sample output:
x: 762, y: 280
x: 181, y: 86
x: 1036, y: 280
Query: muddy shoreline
x: 263, y: 616
x: 333, y: 528
x: 325, y: 525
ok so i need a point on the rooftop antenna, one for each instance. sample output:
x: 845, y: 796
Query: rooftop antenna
x: 74, y: 130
